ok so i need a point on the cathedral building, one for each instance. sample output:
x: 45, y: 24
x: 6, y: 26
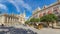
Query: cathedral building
x: 12, y: 20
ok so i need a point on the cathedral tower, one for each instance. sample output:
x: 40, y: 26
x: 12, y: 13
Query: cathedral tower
x: 22, y: 18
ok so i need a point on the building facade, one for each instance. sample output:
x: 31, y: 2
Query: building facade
x: 53, y: 8
x: 11, y: 20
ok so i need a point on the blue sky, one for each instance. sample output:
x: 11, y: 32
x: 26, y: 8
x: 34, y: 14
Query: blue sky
x: 19, y: 6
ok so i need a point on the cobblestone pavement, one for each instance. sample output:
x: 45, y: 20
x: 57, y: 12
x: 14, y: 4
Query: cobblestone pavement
x: 27, y: 30
x: 43, y: 30
x: 13, y: 30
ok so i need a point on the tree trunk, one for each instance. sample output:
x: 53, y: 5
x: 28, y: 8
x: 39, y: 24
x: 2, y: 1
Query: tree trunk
x: 48, y: 24
x: 52, y: 25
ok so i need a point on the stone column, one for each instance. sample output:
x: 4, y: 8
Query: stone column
x: 14, y: 21
x: 10, y: 21
x: 7, y: 19
x: 7, y: 22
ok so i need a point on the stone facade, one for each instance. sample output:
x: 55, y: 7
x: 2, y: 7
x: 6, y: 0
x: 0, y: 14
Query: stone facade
x: 11, y: 20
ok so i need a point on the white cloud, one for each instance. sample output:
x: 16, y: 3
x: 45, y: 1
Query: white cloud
x: 2, y: 0
x: 18, y: 3
x: 18, y: 9
x: 22, y: 3
x: 3, y: 7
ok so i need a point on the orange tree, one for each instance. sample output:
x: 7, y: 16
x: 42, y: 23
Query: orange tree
x: 48, y: 18
x: 34, y: 20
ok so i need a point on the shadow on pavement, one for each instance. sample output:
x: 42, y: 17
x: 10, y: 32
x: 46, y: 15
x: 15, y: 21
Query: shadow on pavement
x: 13, y: 30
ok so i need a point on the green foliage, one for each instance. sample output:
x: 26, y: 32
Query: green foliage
x: 34, y: 20
x: 27, y: 22
x: 48, y: 18
x: 43, y: 19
